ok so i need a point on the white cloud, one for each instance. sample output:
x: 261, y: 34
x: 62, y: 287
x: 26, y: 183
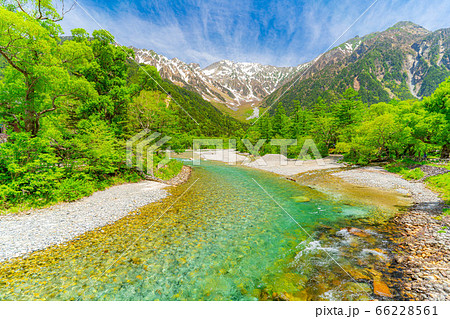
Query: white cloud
x: 283, y: 32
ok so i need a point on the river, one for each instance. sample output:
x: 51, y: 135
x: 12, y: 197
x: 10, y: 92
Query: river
x: 230, y: 233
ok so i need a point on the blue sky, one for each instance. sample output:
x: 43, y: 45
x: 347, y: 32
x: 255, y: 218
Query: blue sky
x: 281, y: 32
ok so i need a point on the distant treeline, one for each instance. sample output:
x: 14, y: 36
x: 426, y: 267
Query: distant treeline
x: 379, y: 132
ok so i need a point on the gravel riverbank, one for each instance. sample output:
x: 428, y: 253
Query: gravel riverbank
x: 275, y: 163
x: 379, y: 178
x: 23, y: 233
x: 423, y: 254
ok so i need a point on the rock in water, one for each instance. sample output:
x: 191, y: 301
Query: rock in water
x: 357, y: 232
x: 300, y: 199
x: 381, y: 289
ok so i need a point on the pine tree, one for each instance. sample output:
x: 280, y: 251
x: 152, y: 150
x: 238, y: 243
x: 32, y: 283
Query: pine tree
x: 349, y: 104
x: 302, y: 120
x: 279, y: 120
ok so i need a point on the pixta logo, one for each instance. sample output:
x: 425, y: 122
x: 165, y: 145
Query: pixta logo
x: 215, y: 150
x: 147, y: 145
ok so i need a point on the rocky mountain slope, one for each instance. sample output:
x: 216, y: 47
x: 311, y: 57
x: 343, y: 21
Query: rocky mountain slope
x: 431, y: 63
x: 233, y: 84
x: 404, y: 61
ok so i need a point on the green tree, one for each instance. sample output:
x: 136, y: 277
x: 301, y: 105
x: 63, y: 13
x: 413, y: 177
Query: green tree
x: 152, y: 111
x: 348, y: 107
x: 325, y: 130
x: 280, y: 124
x: 37, y: 79
x: 80, y: 35
x: 108, y: 73
x: 391, y: 130
x: 265, y: 127
x: 303, y: 120
x: 149, y: 78
x: 320, y: 108
x: 41, y: 10
x: 439, y: 102
x: 28, y: 168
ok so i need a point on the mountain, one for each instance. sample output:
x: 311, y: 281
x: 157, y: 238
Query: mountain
x: 249, y: 82
x: 189, y: 111
x: 431, y: 64
x: 226, y: 82
x: 403, y: 62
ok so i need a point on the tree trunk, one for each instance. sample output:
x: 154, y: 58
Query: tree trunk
x: 31, y: 123
x: 31, y: 119
x: 445, y: 153
x: 15, y: 127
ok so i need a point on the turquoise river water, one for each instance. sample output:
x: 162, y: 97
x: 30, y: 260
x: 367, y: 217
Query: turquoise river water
x: 223, y: 237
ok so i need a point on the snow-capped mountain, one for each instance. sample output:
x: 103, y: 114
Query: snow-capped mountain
x: 403, y: 62
x: 231, y: 83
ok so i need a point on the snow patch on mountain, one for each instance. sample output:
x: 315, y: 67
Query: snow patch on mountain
x: 231, y: 83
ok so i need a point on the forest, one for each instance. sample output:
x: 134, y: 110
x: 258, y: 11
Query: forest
x: 379, y: 132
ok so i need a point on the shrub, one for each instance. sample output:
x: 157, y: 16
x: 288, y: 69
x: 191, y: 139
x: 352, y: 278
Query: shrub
x: 72, y: 189
x: 29, y: 168
x: 169, y: 171
x: 441, y: 183
x: 416, y: 174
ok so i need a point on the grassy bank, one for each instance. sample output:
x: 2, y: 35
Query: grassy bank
x: 439, y: 184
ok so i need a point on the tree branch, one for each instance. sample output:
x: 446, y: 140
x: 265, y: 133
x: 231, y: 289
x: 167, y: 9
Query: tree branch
x: 41, y: 14
x: 54, y: 106
x: 22, y: 9
x: 15, y: 66
x: 39, y: 8
x: 16, y: 119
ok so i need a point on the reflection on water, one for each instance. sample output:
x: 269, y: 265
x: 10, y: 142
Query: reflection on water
x: 225, y: 239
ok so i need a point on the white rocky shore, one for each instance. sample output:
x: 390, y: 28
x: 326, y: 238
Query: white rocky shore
x: 34, y: 230
x: 377, y: 177
x: 274, y: 163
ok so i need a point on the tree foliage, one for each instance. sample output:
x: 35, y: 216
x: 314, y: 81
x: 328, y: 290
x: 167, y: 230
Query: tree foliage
x: 37, y: 79
x: 70, y: 103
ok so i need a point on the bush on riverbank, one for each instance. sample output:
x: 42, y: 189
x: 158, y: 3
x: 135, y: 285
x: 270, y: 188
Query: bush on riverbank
x: 402, y: 168
x: 40, y: 171
x: 441, y: 184
x: 168, y: 171
x: 415, y: 174
x: 35, y: 173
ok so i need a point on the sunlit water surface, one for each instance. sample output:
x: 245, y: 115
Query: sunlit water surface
x: 225, y: 238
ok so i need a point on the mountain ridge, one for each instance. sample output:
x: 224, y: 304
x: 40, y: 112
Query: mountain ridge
x: 404, y: 61
x: 231, y: 83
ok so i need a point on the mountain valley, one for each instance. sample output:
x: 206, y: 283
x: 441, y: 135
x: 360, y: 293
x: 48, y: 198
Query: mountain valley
x: 405, y: 61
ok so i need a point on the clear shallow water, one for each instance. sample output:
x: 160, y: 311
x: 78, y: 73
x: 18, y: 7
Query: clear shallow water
x: 224, y: 239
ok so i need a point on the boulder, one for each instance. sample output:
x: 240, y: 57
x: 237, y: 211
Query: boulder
x: 300, y: 199
x: 381, y: 289
x: 357, y: 232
